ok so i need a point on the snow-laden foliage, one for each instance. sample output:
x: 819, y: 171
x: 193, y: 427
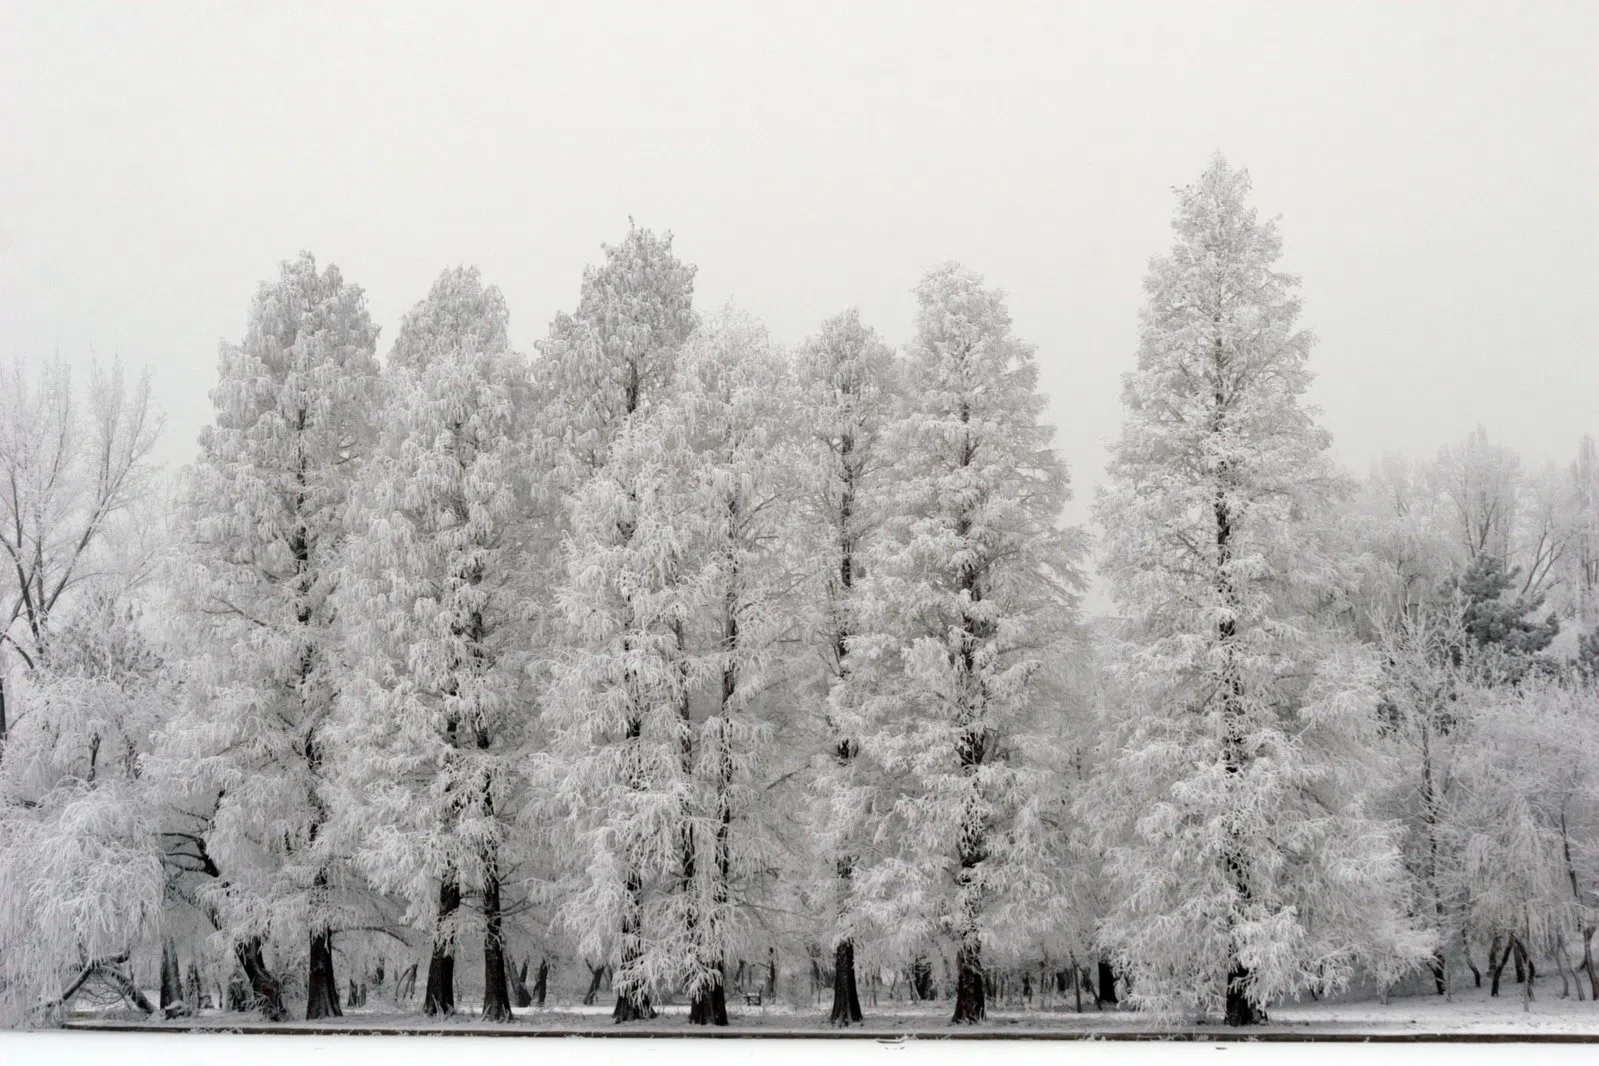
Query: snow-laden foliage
x: 621, y: 676
x: 1235, y: 812
x: 1431, y: 677
x: 969, y: 585
x: 71, y: 463
x: 81, y: 879
x: 265, y: 514
x: 435, y: 595
x: 846, y: 381
x: 733, y: 397
x: 619, y: 709
x: 1527, y: 821
x: 609, y: 359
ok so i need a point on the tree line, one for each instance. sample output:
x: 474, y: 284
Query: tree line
x: 668, y: 653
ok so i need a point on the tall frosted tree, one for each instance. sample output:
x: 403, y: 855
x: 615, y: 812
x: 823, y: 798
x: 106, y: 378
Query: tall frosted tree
x: 1233, y: 811
x: 265, y: 516
x: 732, y: 441
x: 434, y: 602
x: 845, y: 380
x: 972, y: 578
x: 619, y: 650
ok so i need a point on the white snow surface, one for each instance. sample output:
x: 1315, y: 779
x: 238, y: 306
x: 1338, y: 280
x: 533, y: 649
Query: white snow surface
x: 1471, y: 1014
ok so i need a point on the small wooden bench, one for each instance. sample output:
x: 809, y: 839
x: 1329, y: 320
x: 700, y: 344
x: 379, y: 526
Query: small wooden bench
x: 752, y: 999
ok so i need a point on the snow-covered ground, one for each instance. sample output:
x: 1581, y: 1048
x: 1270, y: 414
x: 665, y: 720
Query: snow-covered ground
x: 1471, y: 1013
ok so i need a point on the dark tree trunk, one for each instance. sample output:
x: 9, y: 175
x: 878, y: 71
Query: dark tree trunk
x: 1465, y: 952
x: 1240, y: 1009
x: 126, y: 988
x: 632, y: 1007
x: 405, y: 987
x: 771, y: 973
x: 172, y: 1003
x: 496, y: 995
x: 922, y: 979
x: 1105, y: 987
x: 265, y: 993
x: 1077, y: 986
x: 1439, y: 972
x: 1519, y: 957
x: 632, y: 1004
x: 440, y: 995
x: 709, y: 1005
x: 596, y: 974
x: 517, y: 978
x: 846, y: 997
x: 542, y: 984
x: 971, y: 1004
x: 1496, y: 961
x: 322, y: 988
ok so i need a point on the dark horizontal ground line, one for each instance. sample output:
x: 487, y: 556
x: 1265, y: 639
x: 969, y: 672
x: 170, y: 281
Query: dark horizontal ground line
x: 1277, y: 1037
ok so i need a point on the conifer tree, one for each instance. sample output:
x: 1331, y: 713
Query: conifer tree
x: 1234, y: 812
x: 434, y: 601
x: 971, y: 580
x: 732, y: 445
x: 265, y: 516
x: 619, y: 652
x: 845, y: 376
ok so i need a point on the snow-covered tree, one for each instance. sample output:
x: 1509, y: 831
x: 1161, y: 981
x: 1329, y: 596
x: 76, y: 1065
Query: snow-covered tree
x: 620, y: 712
x: 1235, y: 810
x: 618, y: 672
x: 731, y: 408
x: 1481, y: 482
x: 1528, y: 826
x: 81, y: 880
x: 67, y: 475
x: 969, y: 584
x: 846, y: 397
x: 604, y: 363
x: 434, y: 599
x: 1405, y: 536
x: 1430, y: 674
x: 265, y: 515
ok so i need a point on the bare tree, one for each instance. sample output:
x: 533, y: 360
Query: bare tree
x: 1482, y: 483
x: 70, y: 463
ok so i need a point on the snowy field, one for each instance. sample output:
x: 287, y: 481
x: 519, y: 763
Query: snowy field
x: 903, y: 1037
x: 1472, y: 1014
x: 102, y: 1049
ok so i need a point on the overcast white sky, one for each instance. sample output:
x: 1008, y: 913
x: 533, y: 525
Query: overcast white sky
x: 1436, y: 166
